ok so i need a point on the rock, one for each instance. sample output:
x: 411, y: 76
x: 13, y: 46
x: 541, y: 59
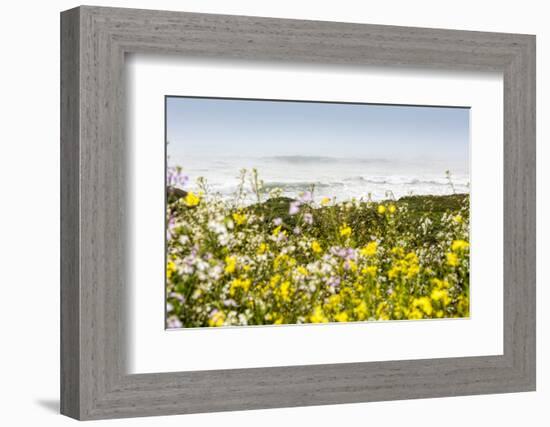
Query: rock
x: 177, y: 192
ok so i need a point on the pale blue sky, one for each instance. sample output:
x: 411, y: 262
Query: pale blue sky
x: 250, y: 128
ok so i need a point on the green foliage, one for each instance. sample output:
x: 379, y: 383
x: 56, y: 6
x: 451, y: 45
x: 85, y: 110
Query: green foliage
x: 281, y: 261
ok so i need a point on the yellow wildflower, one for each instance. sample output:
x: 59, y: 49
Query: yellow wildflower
x: 401, y: 312
x: 369, y: 271
x: 361, y: 310
x: 381, y: 209
x: 283, y: 260
x: 459, y: 245
x: 415, y: 314
x: 345, y: 230
x: 239, y: 283
x: 170, y: 269
x: 441, y: 295
x: 440, y: 284
x: 316, y: 247
x: 318, y: 316
x: 341, y: 317
x: 277, y: 230
x: 230, y: 264
x: 239, y: 218
x: 424, y: 304
x: 463, y: 306
x: 411, y: 257
x: 369, y: 249
x: 191, y: 199
x: 413, y: 270
x: 302, y: 270
x: 325, y: 201
x: 398, y: 251
x: 391, y: 209
x: 217, y: 319
x: 381, y: 311
x: 275, y: 280
x: 458, y: 219
x: 395, y: 270
x: 278, y: 321
x: 262, y: 249
x: 452, y: 259
x: 334, y: 302
x: 284, y: 289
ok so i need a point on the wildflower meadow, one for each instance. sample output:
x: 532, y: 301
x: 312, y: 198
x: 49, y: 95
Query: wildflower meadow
x: 260, y: 258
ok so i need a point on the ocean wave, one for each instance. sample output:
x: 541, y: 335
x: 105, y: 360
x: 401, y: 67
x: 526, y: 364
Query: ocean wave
x: 404, y: 180
x: 323, y: 159
x: 357, y: 183
x: 343, y: 191
x: 301, y: 185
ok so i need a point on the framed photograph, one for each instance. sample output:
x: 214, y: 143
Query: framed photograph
x: 322, y: 212
x: 262, y: 213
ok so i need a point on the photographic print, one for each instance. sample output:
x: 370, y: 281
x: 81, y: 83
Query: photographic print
x: 298, y: 212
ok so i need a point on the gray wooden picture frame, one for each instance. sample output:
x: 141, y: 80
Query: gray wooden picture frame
x: 94, y: 41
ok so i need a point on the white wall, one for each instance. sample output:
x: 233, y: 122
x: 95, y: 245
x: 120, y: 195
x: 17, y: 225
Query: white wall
x: 29, y: 225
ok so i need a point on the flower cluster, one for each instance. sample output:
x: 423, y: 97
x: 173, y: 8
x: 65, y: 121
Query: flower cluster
x: 288, y: 261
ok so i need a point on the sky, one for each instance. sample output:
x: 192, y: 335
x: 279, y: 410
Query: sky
x: 255, y: 128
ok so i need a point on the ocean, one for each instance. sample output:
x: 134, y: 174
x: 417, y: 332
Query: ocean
x: 342, y: 178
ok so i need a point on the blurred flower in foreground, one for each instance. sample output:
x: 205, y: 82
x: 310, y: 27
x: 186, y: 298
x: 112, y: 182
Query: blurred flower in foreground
x: 294, y: 208
x: 191, y: 199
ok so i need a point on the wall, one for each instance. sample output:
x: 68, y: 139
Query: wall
x: 29, y: 225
